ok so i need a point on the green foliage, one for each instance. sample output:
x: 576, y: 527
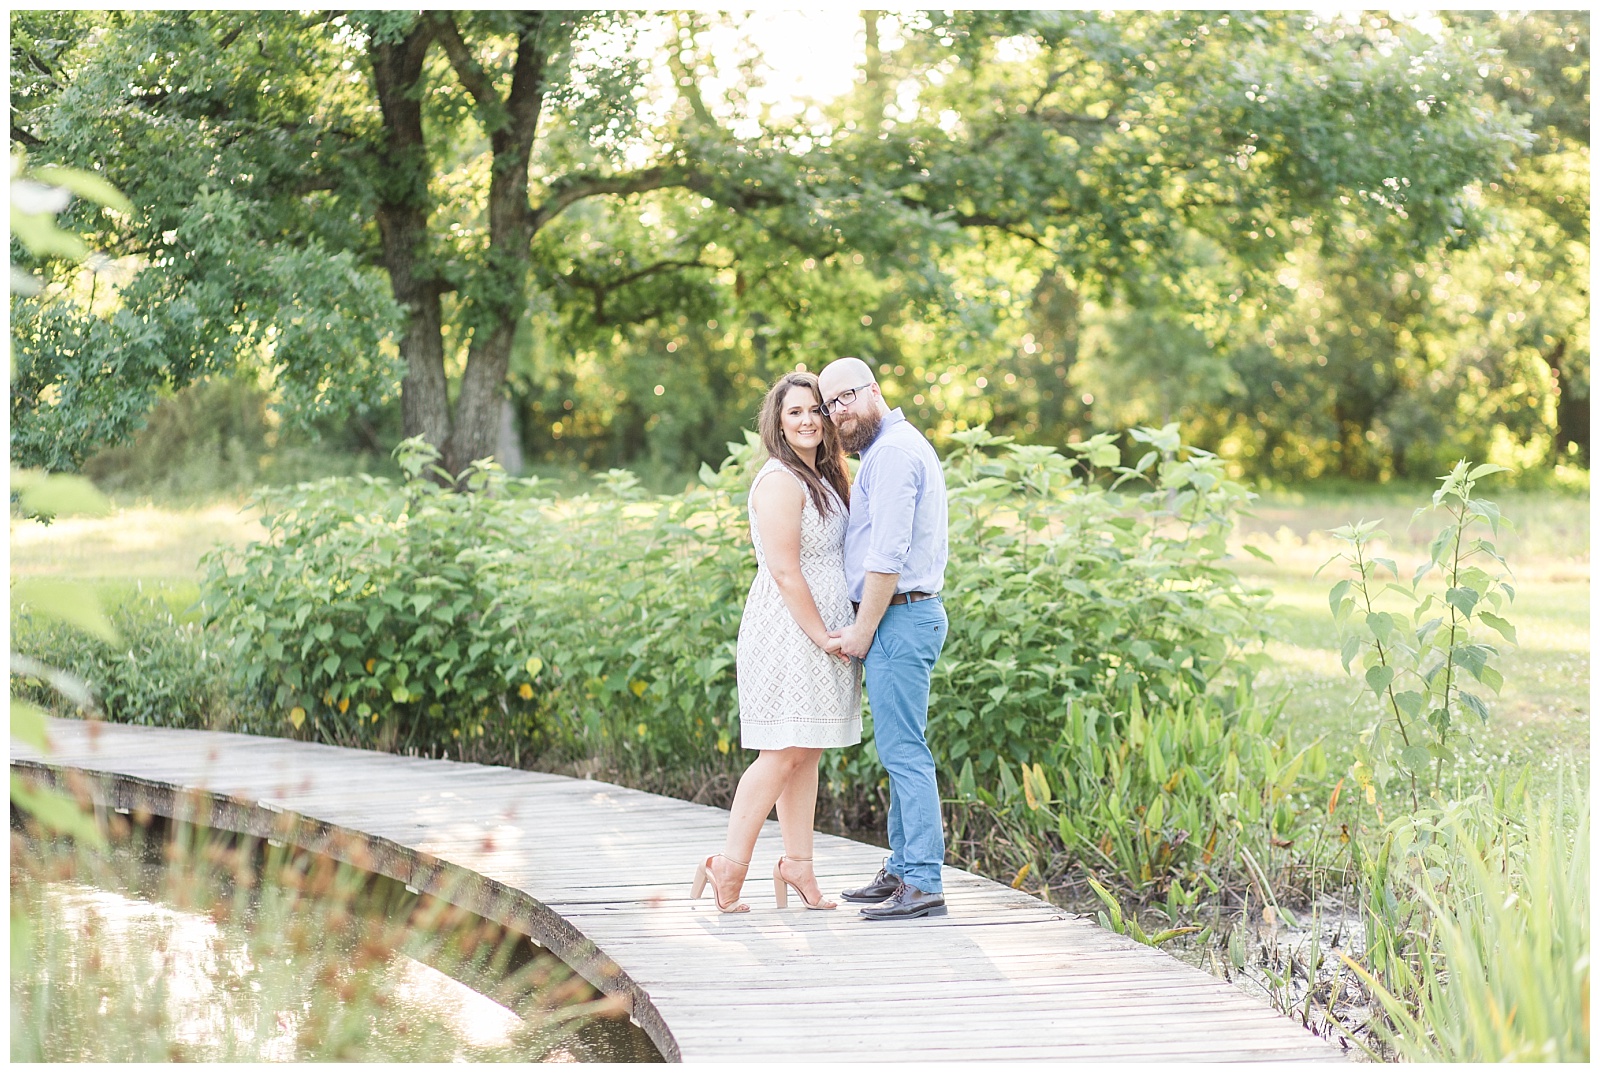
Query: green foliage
x: 1205, y: 181
x: 1095, y: 652
x: 152, y: 667
x: 1479, y: 933
x: 37, y: 196
x: 366, y: 602
x: 1417, y: 664
x: 1097, y: 680
x: 491, y: 621
x: 1475, y: 905
x: 1114, y: 919
x: 219, y: 437
x: 1070, y: 587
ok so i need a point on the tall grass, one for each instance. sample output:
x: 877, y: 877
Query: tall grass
x: 202, y: 947
x: 1505, y: 971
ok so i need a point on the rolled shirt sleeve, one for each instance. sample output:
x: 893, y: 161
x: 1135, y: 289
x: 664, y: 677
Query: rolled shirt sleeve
x: 893, y: 508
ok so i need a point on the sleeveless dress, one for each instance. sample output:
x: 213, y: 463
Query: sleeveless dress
x: 791, y: 693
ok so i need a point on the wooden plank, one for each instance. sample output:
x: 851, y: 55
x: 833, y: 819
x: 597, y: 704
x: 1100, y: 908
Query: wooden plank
x: 1003, y: 977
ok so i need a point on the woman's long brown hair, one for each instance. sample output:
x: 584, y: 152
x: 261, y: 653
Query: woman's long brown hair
x: 830, y: 453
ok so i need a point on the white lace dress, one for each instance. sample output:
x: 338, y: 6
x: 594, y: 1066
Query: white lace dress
x: 791, y: 693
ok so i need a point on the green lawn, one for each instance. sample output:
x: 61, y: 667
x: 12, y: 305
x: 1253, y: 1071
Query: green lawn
x: 1541, y: 716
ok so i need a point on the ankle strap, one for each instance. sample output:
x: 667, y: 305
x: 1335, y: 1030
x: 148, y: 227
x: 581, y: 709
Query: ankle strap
x: 787, y: 857
x: 741, y: 864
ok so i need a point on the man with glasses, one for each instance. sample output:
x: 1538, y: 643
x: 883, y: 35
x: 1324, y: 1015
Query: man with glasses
x: 895, y: 550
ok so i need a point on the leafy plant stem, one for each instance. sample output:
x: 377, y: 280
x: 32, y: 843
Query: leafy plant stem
x: 1394, y: 705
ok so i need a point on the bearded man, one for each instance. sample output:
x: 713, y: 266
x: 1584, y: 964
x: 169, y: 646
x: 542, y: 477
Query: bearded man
x: 895, y: 551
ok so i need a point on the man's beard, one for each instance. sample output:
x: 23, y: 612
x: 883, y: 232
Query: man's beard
x: 862, y: 431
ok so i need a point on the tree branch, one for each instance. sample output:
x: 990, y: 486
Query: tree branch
x: 222, y: 46
x: 574, y: 191
x: 601, y: 289
x: 526, y: 99
x: 979, y: 219
x: 1057, y: 118
x: 658, y: 177
x: 473, y: 77
x: 688, y: 88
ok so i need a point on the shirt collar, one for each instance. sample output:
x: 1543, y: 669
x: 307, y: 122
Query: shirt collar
x: 892, y: 418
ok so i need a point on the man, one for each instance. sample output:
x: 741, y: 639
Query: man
x: 895, y: 550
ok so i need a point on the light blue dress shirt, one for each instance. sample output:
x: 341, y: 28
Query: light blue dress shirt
x: 899, y: 517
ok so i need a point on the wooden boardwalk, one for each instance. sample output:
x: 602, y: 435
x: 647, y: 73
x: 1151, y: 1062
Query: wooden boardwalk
x: 600, y: 875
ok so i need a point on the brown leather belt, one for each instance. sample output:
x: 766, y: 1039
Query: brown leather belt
x: 903, y: 598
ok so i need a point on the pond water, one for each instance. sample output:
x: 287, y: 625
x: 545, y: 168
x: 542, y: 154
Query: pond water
x: 199, y: 946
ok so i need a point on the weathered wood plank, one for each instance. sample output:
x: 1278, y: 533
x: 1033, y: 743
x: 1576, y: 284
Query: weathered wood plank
x: 601, y: 874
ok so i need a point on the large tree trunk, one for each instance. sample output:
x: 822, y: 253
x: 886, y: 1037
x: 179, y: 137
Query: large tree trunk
x: 1572, y: 408
x: 403, y: 205
x: 499, y: 293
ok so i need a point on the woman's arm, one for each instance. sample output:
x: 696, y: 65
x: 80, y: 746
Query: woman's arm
x: 779, y: 505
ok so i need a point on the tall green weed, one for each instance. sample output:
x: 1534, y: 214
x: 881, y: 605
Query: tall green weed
x: 1498, y: 966
x: 1475, y: 902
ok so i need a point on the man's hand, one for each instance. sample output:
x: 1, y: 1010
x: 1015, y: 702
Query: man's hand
x: 855, y: 639
x: 833, y: 646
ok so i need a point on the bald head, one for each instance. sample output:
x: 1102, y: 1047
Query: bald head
x: 842, y: 374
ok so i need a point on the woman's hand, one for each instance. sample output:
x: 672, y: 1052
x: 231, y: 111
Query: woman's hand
x: 833, y: 645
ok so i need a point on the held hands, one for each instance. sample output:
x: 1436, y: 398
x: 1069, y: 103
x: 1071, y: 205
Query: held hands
x: 831, y: 645
x: 854, y: 640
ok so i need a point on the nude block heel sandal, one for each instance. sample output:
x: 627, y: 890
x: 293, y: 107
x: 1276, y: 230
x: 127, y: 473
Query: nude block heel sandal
x: 780, y: 888
x: 702, y: 876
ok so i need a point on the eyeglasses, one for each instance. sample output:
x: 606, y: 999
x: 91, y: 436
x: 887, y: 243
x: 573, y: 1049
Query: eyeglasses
x: 843, y: 399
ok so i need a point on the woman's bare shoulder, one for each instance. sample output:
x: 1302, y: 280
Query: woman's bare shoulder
x: 777, y: 494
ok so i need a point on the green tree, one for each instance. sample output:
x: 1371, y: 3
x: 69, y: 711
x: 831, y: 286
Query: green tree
x: 465, y: 197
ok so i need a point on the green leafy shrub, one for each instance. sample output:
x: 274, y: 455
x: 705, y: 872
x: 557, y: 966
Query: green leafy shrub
x: 492, y: 622
x: 1097, y: 656
x: 151, y: 669
x: 1097, y: 681
x: 365, y: 609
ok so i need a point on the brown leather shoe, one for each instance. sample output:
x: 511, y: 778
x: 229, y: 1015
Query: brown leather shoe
x: 883, y: 885
x: 907, y: 903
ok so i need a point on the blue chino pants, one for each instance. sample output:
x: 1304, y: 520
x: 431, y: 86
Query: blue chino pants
x: 899, y: 671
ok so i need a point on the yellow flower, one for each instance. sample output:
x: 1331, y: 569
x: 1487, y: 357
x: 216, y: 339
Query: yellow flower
x: 344, y: 705
x: 371, y: 663
x: 525, y: 691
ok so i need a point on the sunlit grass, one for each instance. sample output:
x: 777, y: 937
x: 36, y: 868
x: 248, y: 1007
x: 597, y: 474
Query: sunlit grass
x: 1541, y: 715
x: 135, y: 542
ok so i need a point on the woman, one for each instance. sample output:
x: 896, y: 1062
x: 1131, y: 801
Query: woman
x: 798, y: 694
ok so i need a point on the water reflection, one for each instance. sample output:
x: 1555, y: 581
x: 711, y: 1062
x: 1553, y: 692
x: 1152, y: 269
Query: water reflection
x: 137, y: 959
